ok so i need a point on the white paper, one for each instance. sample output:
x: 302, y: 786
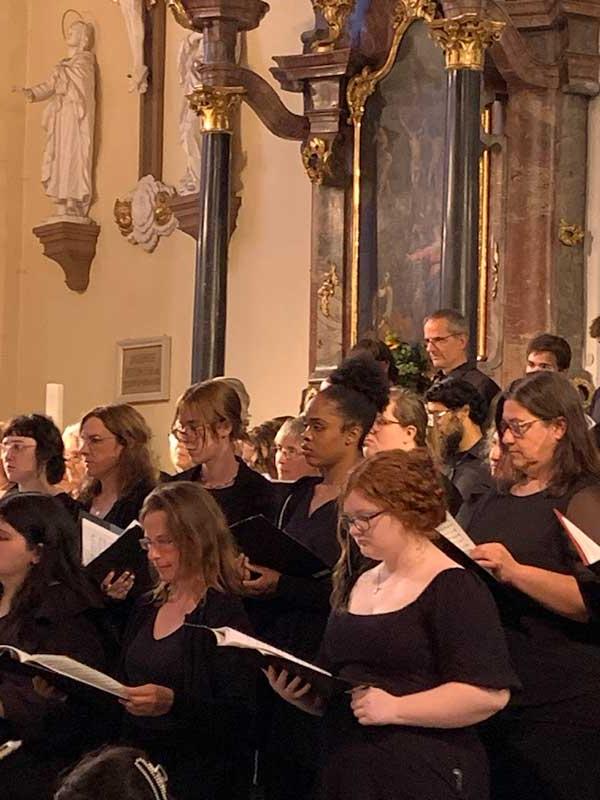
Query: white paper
x: 588, y: 549
x: 451, y: 530
x: 95, y: 539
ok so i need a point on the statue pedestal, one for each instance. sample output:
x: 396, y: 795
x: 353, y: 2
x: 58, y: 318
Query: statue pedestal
x: 73, y: 246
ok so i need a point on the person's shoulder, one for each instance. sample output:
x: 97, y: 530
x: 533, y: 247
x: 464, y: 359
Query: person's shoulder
x: 190, y: 474
x: 61, y: 601
x: 251, y: 478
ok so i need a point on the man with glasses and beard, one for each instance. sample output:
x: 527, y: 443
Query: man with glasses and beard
x: 456, y: 414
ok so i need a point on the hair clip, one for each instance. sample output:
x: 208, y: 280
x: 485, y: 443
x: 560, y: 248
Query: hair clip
x: 155, y: 776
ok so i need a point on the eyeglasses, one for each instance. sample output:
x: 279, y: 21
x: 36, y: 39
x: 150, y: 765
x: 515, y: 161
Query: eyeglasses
x: 435, y: 416
x: 92, y: 442
x: 17, y: 447
x: 435, y: 340
x: 382, y: 422
x: 188, y: 430
x: 517, y: 428
x: 361, y: 522
x: 157, y: 544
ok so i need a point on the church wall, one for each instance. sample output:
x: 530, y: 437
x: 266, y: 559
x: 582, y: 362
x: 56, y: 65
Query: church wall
x: 592, y: 240
x: 68, y: 338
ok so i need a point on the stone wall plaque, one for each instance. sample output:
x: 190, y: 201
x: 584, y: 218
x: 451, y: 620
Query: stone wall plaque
x: 143, y: 372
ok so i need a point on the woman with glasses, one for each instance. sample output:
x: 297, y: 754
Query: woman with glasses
x: 208, y: 422
x: 296, y: 609
x: 32, y: 453
x: 47, y: 606
x: 417, y: 635
x: 554, y: 466
x: 190, y: 703
x: 403, y: 426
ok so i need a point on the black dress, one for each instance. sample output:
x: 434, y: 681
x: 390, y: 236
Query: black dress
x: 450, y: 633
x: 206, y: 741
x: 545, y: 745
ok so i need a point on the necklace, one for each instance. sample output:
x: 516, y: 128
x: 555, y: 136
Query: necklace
x: 378, y: 582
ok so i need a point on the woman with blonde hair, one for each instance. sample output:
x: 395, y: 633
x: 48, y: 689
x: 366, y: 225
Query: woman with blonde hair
x: 418, y: 636
x: 208, y: 421
x: 120, y: 466
x: 190, y: 703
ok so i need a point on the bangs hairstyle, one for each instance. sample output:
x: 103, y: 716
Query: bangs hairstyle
x: 210, y: 403
x: 49, y: 447
x: 136, y: 462
x: 550, y: 396
x: 360, y: 390
x: 407, y: 486
x: 408, y: 409
x: 198, y: 528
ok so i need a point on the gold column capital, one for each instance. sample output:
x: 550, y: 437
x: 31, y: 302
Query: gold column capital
x: 336, y: 12
x: 465, y: 38
x: 215, y: 106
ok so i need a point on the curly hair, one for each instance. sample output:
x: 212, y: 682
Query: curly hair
x: 454, y: 394
x: 380, y: 352
x: 407, y: 486
x: 360, y: 390
x: 199, y: 530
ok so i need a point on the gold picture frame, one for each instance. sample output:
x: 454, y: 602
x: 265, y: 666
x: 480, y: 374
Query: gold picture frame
x: 144, y: 370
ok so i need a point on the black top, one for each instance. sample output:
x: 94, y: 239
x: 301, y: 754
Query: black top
x: 55, y: 732
x: 469, y: 372
x: 211, y: 721
x: 557, y: 660
x: 469, y: 471
x: 450, y: 633
x: 127, y: 507
x: 249, y: 494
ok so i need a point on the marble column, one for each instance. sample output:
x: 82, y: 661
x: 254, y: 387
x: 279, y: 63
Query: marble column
x: 464, y: 40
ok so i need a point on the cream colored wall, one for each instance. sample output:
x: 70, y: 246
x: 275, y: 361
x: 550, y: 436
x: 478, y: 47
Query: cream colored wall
x: 67, y: 338
x: 592, y: 241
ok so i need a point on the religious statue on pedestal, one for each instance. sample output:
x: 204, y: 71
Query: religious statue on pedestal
x: 68, y: 120
x: 190, y: 51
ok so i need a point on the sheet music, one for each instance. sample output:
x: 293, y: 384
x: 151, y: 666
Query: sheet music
x: 95, y: 539
x: 587, y: 548
x: 451, y: 530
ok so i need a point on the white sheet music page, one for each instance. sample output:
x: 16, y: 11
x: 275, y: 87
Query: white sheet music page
x: 95, y: 539
x: 588, y: 549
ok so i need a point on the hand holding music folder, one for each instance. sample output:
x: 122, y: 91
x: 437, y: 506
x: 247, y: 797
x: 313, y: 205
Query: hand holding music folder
x: 322, y: 682
x: 106, y: 548
x: 265, y: 545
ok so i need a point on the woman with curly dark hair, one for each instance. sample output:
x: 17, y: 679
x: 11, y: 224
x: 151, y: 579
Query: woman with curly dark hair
x: 418, y: 635
x: 337, y: 421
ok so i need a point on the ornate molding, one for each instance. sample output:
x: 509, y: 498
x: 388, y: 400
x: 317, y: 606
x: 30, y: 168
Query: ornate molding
x: 326, y: 290
x: 464, y: 39
x: 73, y: 246
x: 570, y: 234
x: 180, y: 13
x: 336, y: 12
x: 318, y: 158
x: 215, y: 106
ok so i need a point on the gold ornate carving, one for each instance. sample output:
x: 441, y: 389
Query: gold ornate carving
x: 484, y: 232
x: 585, y: 389
x: 317, y: 159
x: 326, y: 290
x: 163, y: 213
x: 570, y: 234
x: 360, y: 88
x: 123, y: 216
x: 336, y: 12
x: 464, y: 39
x: 215, y: 106
x: 180, y: 13
x: 495, y: 271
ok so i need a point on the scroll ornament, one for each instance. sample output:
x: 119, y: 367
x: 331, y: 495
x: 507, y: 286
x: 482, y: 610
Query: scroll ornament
x: 145, y: 215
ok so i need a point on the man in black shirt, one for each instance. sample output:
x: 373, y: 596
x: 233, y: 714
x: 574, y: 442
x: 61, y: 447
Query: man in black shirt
x: 456, y: 412
x: 446, y: 336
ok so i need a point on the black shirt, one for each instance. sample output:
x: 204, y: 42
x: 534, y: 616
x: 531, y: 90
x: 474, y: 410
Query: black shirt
x: 470, y: 472
x: 248, y: 495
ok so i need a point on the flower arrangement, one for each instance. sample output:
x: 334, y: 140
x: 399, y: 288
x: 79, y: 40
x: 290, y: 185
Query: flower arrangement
x: 412, y: 363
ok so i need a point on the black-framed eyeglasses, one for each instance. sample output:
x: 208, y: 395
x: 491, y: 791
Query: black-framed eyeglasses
x: 516, y: 427
x: 360, y: 522
x: 188, y: 430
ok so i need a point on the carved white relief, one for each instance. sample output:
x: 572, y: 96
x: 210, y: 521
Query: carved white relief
x: 133, y: 16
x: 68, y: 121
x: 151, y: 216
x: 190, y: 51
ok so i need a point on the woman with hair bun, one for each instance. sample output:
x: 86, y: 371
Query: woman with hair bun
x: 418, y: 636
x: 337, y: 421
x: 33, y: 458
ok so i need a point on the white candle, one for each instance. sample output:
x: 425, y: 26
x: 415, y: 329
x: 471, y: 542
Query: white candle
x: 54, y: 403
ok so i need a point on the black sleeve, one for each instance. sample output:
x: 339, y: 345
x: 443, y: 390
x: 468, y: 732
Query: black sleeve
x: 584, y: 511
x: 305, y: 593
x: 467, y: 636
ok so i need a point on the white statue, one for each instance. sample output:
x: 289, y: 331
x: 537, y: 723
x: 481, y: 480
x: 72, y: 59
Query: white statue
x: 67, y: 166
x: 145, y: 214
x: 190, y: 51
x: 133, y: 14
